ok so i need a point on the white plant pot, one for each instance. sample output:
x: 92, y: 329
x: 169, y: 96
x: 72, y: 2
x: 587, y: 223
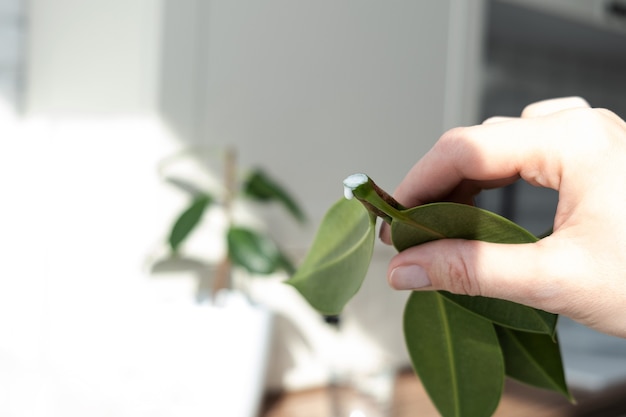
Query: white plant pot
x: 237, y: 355
x: 196, y: 361
x: 154, y: 361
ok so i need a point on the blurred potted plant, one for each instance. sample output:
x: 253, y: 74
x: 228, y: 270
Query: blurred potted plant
x: 246, y: 248
x: 240, y: 329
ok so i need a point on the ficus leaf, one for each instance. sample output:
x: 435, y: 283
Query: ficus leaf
x: 188, y: 220
x: 338, y: 259
x: 259, y: 186
x: 534, y: 359
x: 255, y: 252
x: 187, y: 186
x: 507, y: 314
x: 455, y: 354
x: 285, y: 263
x: 450, y: 220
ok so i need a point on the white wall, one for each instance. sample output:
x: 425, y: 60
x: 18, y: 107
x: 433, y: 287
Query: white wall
x: 93, y: 57
x: 316, y: 91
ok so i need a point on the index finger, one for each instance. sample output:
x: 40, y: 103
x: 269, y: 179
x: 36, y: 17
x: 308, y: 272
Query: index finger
x: 467, y: 159
x: 492, y: 154
x: 483, y: 154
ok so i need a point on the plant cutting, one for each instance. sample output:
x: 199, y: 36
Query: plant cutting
x: 461, y: 347
x: 247, y: 248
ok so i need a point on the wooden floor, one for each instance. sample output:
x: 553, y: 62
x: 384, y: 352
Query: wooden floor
x: 410, y: 400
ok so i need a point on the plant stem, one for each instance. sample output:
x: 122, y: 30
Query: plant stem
x: 222, y: 274
x: 381, y: 204
x: 377, y: 201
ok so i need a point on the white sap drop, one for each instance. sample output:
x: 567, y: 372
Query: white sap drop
x: 350, y: 184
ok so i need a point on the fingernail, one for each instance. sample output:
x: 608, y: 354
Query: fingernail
x: 409, y: 277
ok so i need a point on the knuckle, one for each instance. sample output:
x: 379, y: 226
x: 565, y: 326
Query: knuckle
x: 461, y: 280
x: 458, y: 278
x: 454, y: 138
x: 588, y: 123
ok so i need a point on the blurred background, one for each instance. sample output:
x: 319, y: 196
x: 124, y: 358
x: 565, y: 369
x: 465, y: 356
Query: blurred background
x: 95, y: 95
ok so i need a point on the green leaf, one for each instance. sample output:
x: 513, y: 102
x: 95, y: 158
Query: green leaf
x: 285, y: 263
x: 450, y: 220
x: 534, y: 359
x: 261, y: 187
x: 455, y: 354
x: 255, y: 252
x: 338, y: 259
x: 188, y: 220
x: 507, y: 314
x: 187, y: 186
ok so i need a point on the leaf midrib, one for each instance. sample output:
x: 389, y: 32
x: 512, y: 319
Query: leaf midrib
x: 330, y: 258
x: 448, y: 337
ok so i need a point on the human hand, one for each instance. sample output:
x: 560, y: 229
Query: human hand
x: 578, y: 271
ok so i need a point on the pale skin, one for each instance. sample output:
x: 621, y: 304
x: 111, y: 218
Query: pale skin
x: 580, y: 270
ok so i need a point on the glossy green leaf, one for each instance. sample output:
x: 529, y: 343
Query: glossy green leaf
x: 456, y: 355
x: 534, y: 359
x: 259, y: 186
x: 507, y: 314
x: 188, y: 220
x: 338, y: 259
x: 255, y: 252
x: 450, y: 220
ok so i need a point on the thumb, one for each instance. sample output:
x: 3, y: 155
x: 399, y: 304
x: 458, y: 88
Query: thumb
x: 508, y: 271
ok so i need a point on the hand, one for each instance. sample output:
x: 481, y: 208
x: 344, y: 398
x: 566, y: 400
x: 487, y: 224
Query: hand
x: 578, y: 271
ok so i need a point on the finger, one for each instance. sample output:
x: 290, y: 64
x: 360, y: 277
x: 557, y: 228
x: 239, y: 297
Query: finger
x: 486, y: 154
x: 544, y: 108
x: 385, y: 233
x: 498, y: 119
x: 524, y: 273
x: 547, y: 107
